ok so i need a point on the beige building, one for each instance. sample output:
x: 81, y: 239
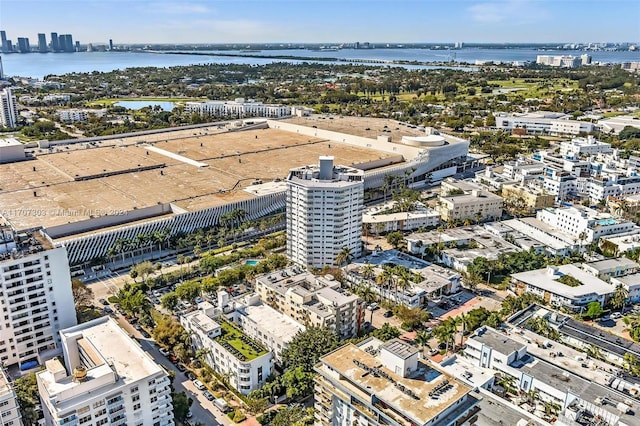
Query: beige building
x: 478, y: 205
x: 532, y: 198
x: 312, y: 300
x: 9, y: 409
x: 376, y: 383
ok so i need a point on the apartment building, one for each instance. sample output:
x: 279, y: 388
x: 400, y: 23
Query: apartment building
x: 312, y: 300
x: 384, y: 218
x: 584, y: 147
x: 376, y: 383
x: 238, y: 108
x: 585, y: 224
x: 533, y: 198
x: 477, y: 205
x: 73, y: 115
x: 36, y: 295
x: 228, y: 350
x: 9, y: 408
x: 106, y: 378
x: 324, y: 212
x: 563, y: 286
x: 543, y: 122
x: 8, y: 108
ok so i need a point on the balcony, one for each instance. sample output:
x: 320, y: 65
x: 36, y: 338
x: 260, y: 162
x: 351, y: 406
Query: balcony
x: 116, y: 410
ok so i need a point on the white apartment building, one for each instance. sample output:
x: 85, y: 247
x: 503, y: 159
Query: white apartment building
x: 548, y: 284
x: 36, y: 294
x: 381, y: 218
x: 585, y: 224
x: 376, y: 383
x: 8, y: 108
x: 228, y: 350
x: 312, y: 300
x: 616, y: 124
x: 563, y: 61
x: 543, y: 122
x: 73, y: 115
x: 584, y: 147
x: 9, y: 408
x: 268, y: 326
x: 324, y: 212
x: 237, y: 108
x: 489, y: 348
x: 106, y: 379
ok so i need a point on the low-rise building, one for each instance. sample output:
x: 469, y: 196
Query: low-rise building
x: 608, y: 269
x: 9, y: 408
x: 579, y: 147
x: 73, y: 115
x: 106, y: 378
x: 228, y: 350
x: 615, y: 125
x: 533, y: 198
x: 384, y: 218
x: 387, y: 383
x: 312, y: 300
x: 529, y: 232
x: 563, y: 286
x: 238, y: 108
x: 585, y: 224
x: 543, y: 122
x: 489, y: 348
x: 467, y: 201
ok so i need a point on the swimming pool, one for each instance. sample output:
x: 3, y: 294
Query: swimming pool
x: 251, y: 262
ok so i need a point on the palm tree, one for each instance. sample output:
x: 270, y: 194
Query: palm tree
x: 344, y: 256
x: 422, y: 338
x: 593, y: 351
x: 403, y: 281
x: 384, y: 279
x: 507, y: 382
x: 367, y: 271
x: 445, y: 332
x: 620, y: 297
x: 464, y: 320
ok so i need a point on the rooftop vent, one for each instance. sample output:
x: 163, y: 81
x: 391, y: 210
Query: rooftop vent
x: 79, y: 374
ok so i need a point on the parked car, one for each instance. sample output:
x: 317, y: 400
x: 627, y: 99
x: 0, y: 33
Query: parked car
x: 108, y: 309
x: 388, y: 314
x: 190, y: 375
x: 189, y: 414
x: 173, y: 359
x: 208, y: 395
x: 103, y: 301
x: 181, y: 367
x: 616, y: 315
x: 163, y: 351
x: 373, y: 307
x: 145, y: 334
x: 198, y: 384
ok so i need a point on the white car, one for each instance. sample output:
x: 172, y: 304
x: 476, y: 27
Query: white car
x: 198, y: 384
x: 616, y: 315
x: 163, y: 351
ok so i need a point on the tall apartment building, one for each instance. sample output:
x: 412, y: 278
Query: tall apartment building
x: 42, y: 43
x: 55, y: 44
x: 36, y: 297
x: 23, y: 45
x: 9, y: 409
x: 376, y: 383
x: 8, y: 108
x: 311, y: 300
x: 324, y: 212
x: 228, y: 350
x: 106, y: 379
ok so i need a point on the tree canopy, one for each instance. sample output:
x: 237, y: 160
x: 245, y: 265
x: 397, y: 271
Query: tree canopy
x: 306, y: 347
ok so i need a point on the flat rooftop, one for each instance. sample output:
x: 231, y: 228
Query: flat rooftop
x: 599, y: 338
x: 608, y: 264
x: 548, y: 281
x: 279, y: 325
x: 497, y: 341
x: 348, y: 361
x: 78, y: 182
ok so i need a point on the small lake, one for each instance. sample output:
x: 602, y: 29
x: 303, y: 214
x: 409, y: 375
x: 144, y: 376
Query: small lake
x: 166, y: 106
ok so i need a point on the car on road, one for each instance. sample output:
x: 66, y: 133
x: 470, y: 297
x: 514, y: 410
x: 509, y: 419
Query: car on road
x: 373, y: 307
x: 173, y: 359
x: 199, y: 300
x: 198, y: 384
x: 181, y: 367
x: 103, y: 301
x: 190, y: 375
x: 388, y: 314
x: 208, y: 395
x: 163, y: 351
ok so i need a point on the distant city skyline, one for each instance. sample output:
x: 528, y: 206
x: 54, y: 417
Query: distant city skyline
x: 328, y: 21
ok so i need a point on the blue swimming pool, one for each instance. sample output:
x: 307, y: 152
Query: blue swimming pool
x: 251, y: 262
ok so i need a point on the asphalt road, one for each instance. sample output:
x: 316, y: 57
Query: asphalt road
x: 202, y: 409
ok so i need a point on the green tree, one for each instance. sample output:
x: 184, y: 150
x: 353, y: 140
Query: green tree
x: 308, y: 346
x: 82, y: 295
x: 293, y: 416
x: 620, y: 297
x: 170, y: 301
x: 412, y: 317
x: 631, y: 364
x: 422, y: 338
x: 395, y: 238
x: 594, y: 310
x: 386, y: 332
x: 27, y: 394
x: 345, y: 256
x: 633, y: 321
x: 132, y: 300
x: 181, y: 405
x: 298, y: 383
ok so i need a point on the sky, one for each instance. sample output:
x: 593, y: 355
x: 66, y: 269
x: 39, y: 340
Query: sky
x: 327, y: 21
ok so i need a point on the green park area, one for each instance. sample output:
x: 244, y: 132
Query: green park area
x: 238, y: 341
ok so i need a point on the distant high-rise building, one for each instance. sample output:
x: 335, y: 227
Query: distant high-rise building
x: 1, y: 69
x: 23, y: 45
x: 3, y: 37
x: 324, y: 212
x: 77, y: 47
x: 8, y: 108
x: 55, y: 46
x: 110, y: 44
x: 42, y: 43
x: 66, y: 42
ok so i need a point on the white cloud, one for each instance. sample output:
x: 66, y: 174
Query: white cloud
x: 182, y: 8
x: 508, y: 11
